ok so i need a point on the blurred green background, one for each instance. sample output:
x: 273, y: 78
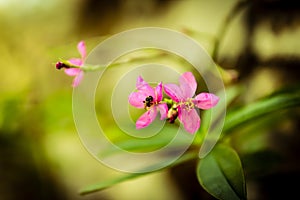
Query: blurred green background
x: 41, y: 155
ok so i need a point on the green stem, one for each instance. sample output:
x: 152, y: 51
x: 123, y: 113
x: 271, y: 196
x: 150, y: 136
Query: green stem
x: 88, y: 68
x: 169, y: 102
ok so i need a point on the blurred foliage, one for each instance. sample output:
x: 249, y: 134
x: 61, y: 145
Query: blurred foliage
x: 41, y: 156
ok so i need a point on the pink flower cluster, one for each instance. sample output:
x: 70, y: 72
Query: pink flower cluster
x: 181, y: 105
x: 183, y: 102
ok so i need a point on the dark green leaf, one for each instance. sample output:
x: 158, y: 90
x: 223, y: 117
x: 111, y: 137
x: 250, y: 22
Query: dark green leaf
x: 221, y: 174
x: 261, y: 108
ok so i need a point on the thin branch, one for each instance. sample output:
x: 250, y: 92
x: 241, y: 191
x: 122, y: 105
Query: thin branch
x: 224, y: 27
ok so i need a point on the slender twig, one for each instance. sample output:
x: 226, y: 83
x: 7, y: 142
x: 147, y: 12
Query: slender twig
x: 225, y: 25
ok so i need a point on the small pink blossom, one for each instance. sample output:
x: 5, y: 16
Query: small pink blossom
x: 76, y: 63
x: 183, y: 96
x: 148, y: 98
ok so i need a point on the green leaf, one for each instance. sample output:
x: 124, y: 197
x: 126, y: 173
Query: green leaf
x: 105, y: 184
x: 221, y: 174
x: 163, y: 138
x: 230, y: 95
x: 261, y: 108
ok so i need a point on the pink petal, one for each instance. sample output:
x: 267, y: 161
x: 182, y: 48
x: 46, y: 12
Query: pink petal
x: 72, y: 71
x: 163, y: 109
x: 77, y: 79
x: 188, y: 84
x: 76, y: 61
x: 136, y: 99
x: 174, y: 92
x: 206, y: 100
x: 82, y: 50
x: 158, y: 93
x: 190, y: 120
x: 146, y: 119
x: 142, y: 85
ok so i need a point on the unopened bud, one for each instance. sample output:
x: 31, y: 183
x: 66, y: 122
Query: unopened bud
x: 60, y: 65
x: 172, y: 114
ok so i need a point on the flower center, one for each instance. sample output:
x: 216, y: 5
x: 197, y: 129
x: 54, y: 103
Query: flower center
x: 189, y: 104
x: 148, y: 102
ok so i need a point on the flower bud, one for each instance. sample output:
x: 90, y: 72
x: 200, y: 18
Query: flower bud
x: 172, y: 114
x: 60, y: 65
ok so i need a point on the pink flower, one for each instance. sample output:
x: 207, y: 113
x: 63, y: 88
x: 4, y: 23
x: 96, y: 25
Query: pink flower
x: 73, y: 67
x: 183, y: 96
x: 148, y: 98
